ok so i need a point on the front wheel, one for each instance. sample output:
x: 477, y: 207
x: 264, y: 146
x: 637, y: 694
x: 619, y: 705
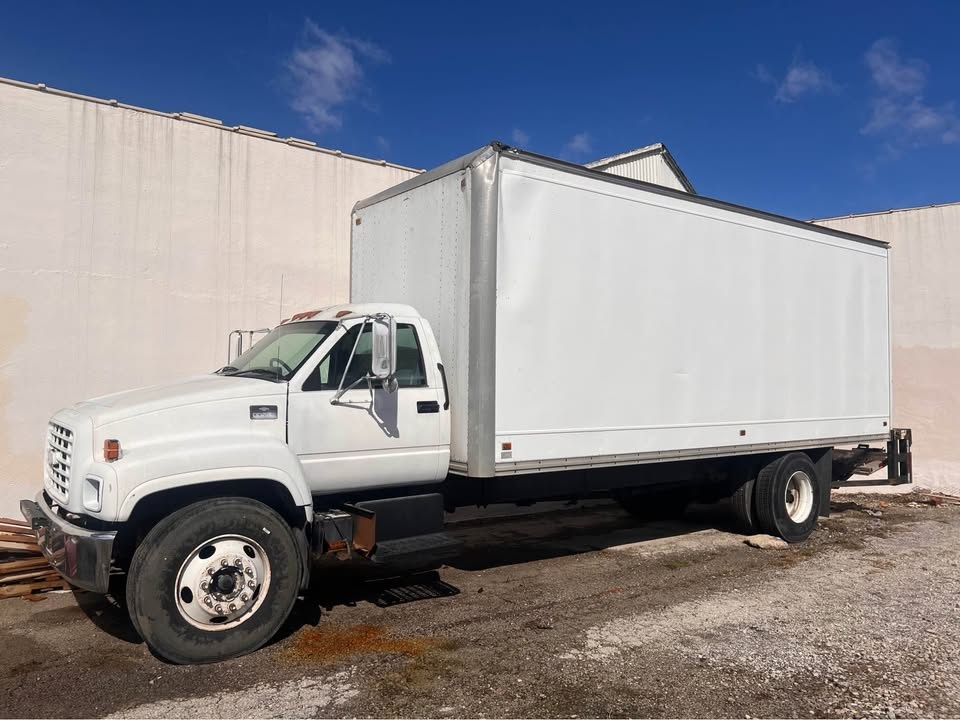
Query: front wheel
x: 213, y: 580
x: 787, y: 497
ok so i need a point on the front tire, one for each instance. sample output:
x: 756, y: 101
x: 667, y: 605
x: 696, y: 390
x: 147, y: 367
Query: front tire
x: 213, y: 580
x: 788, y: 497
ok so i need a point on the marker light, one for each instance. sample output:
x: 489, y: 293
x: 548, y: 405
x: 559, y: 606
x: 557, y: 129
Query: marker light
x: 111, y: 450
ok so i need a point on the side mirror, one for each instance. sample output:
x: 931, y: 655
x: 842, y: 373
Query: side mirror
x: 383, y: 362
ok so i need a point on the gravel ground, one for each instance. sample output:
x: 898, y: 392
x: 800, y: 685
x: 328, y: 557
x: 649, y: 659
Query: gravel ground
x: 573, y: 613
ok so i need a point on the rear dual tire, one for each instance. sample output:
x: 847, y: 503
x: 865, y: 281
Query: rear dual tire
x: 783, y: 500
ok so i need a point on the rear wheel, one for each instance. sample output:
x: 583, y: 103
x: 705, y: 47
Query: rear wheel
x: 787, y: 498
x: 213, y: 581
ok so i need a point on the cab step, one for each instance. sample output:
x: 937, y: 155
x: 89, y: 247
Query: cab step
x: 421, y: 548
x: 406, y: 530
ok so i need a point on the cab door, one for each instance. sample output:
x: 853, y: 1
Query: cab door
x: 369, y: 439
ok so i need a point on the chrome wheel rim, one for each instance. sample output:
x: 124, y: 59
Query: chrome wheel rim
x: 798, y: 496
x: 223, y: 582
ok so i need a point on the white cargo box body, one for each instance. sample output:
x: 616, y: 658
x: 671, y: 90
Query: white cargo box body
x: 591, y: 320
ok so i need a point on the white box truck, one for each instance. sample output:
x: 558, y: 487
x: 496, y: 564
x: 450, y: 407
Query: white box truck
x: 520, y: 329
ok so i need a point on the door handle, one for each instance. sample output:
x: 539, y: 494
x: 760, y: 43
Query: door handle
x: 428, y: 406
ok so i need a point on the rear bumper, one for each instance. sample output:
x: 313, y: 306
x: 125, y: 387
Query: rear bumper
x: 82, y: 556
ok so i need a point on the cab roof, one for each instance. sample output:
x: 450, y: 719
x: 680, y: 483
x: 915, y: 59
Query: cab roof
x: 338, y: 312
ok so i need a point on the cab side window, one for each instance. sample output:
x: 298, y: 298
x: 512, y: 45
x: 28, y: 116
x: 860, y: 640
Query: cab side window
x: 410, y: 372
x: 410, y: 368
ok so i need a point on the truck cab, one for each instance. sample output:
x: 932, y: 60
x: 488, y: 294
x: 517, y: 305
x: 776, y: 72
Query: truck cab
x: 330, y: 404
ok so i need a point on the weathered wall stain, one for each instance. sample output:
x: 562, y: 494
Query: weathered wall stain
x: 17, y: 463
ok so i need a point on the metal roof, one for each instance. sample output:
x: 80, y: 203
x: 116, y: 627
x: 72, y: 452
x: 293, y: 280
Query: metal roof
x: 208, y: 122
x: 645, y: 151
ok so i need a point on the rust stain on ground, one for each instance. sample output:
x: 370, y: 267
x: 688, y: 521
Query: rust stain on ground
x: 329, y: 643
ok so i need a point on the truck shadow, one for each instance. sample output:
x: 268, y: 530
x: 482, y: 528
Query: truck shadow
x: 491, y: 542
x: 486, y: 542
x: 108, y: 612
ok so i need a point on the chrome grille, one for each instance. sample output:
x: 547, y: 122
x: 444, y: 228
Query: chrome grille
x: 59, y: 454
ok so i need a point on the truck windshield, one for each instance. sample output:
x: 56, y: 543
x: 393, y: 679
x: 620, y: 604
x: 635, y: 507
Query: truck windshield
x: 280, y: 353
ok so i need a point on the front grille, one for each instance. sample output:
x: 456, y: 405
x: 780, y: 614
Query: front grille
x: 59, y: 454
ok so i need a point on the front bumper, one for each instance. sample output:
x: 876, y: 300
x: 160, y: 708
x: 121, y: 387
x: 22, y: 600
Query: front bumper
x: 82, y: 556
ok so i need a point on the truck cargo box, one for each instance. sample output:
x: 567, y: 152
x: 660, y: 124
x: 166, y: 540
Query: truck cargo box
x: 590, y: 320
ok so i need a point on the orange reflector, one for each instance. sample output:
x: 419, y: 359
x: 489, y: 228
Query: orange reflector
x: 342, y: 313
x: 506, y: 446
x: 357, y: 221
x: 111, y: 450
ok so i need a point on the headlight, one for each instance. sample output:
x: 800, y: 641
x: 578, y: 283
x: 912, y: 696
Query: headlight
x: 92, y: 493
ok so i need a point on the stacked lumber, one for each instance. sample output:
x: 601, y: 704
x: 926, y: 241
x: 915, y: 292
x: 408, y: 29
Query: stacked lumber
x: 24, y: 572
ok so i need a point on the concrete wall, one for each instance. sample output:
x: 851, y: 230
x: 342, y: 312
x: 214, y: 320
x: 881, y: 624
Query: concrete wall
x: 925, y: 260
x: 132, y: 242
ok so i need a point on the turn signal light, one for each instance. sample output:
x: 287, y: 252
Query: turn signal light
x: 111, y: 450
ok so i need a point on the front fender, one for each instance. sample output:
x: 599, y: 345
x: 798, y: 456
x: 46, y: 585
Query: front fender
x: 163, y: 466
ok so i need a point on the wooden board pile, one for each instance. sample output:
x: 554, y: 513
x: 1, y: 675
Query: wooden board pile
x: 24, y: 571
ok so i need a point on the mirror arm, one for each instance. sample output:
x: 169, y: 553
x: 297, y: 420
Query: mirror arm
x: 341, y: 390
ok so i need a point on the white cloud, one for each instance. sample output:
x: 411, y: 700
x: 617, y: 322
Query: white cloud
x: 580, y: 144
x: 326, y: 72
x: 382, y: 143
x: 890, y: 73
x: 519, y: 138
x: 763, y: 74
x: 900, y: 114
x: 803, y: 78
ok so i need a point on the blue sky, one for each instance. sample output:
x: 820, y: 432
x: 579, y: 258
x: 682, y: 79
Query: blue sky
x: 809, y: 109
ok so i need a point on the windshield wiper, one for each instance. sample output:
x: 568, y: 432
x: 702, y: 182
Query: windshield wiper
x: 226, y: 370
x: 266, y: 373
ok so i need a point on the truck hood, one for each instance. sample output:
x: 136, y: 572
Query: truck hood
x: 201, y: 389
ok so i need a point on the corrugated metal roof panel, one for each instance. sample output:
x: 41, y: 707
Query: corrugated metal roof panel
x: 650, y: 163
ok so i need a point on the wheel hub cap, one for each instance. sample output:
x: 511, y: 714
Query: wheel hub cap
x: 798, y: 496
x: 222, y: 582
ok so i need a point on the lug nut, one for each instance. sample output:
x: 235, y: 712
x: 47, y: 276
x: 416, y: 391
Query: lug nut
x: 204, y: 586
x: 238, y: 562
x: 207, y: 601
x: 244, y: 597
x: 223, y: 563
x: 209, y: 571
x: 219, y: 609
x: 233, y: 607
x: 249, y: 572
x: 251, y: 585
